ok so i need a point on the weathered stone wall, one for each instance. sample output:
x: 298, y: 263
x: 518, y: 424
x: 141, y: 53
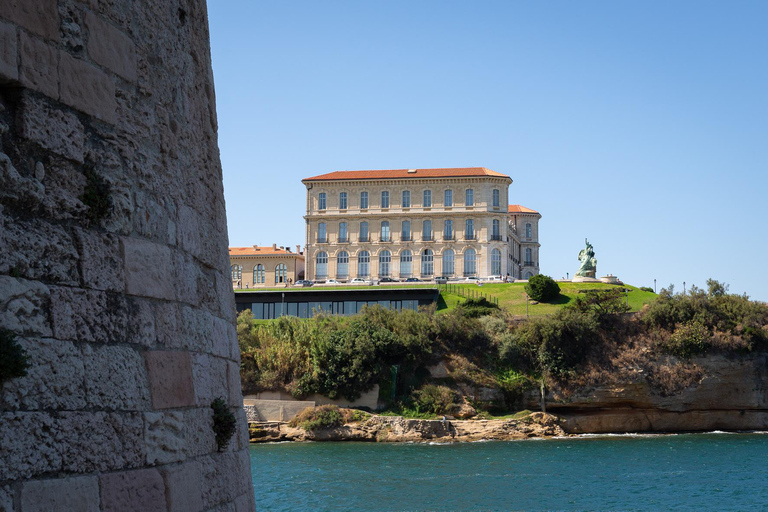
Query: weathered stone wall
x: 114, y: 271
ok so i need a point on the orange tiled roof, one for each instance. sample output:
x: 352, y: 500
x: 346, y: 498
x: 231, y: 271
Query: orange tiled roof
x: 397, y: 174
x: 261, y: 251
x: 518, y: 208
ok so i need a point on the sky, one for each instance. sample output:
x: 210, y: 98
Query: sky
x: 640, y: 125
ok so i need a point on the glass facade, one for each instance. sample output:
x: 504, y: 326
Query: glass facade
x: 469, y: 229
x: 496, y: 197
x: 321, y: 264
x: 343, y: 236
x: 426, y: 230
x: 258, y: 274
x: 321, y: 201
x: 448, y: 230
x: 281, y: 273
x: 427, y: 263
x: 385, y: 231
x: 405, y: 233
x: 271, y: 310
x: 495, y: 262
x: 363, y: 231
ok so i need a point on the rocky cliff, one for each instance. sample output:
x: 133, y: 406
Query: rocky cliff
x: 731, y: 394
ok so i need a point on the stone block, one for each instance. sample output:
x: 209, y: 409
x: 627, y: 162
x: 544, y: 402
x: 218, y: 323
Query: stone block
x: 188, y: 230
x: 221, y: 340
x: 168, y: 325
x: 115, y: 378
x: 245, y: 503
x: 53, y: 381
x: 128, y: 491
x: 183, y: 486
x: 223, y: 479
x: 9, y: 70
x: 210, y: 378
x: 101, y: 260
x: 196, y: 328
x: 24, y: 306
x: 52, y: 128
x: 6, y: 499
x: 39, y: 66
x: 164, y: 437
x: 111, y: 48
x: 141, y: 324
x: 87, y: 88
x: 61, y: 495
x: 185, y: 277
x: 40, y: 17
x: 170, y: 379
x: 64, y: 187
x: 88, y: 315
x: 242, y: 429
x: 198, y: 431
x: 20, y: 189
x: 234, y: 384
x: 147, y: 269
x: 39, y: 250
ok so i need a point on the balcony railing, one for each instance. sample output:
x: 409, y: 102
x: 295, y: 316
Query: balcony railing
x: 364, y: 239
x: 427, y: 238
x: 529, y: 264
x: 323, y: 240
x: 406, y: 238
x: 470, y: 237
x: 496, y: 238
x: 344, y: 240
x: 448, y: 237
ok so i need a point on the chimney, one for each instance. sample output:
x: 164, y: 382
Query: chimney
x: 274, y: 247
x: 298, y: 249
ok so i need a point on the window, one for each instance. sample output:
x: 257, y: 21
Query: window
x: 448, y: 258
x: 528, y: 257
x: 496, y: 262
x: 406, y: 198
x: 343, y: 201
x: 322, y: 235
x: 469, y: 200
x: 528, y: 230
x: 363, y: 200
x: 385, y: 257
x: 427, y: 199
x: 364, y: 264
x: 427, y: 263
x: 448, y: 230
x: 496, y: 230
x: 496, y: 197
x: 342, y: 264
x: 258, y: 274
x: 406, y: 231
x: 343, y: 232
x: 321, y: 201
x: 385, y: 199
x: 469, y: 230
x: 385, y: 231
x: 426, y: 230
x: 363, y: 231
x: 448, y: 198
x: 281, y: 273
x: 237, y: 272
x: 405, y: 263
x: 321, y: 264
x: 470, y: 264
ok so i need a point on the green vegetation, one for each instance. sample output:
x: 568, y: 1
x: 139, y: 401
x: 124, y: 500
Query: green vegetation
x: 14, y: 361
x: 327, y: 416
x: 97, y: 196
x: 542, y: 288
x: 224, y: 423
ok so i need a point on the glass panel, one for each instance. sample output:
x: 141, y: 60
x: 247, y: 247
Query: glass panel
x: 257, y: 308
x: 385, y: 231
x: 495, y: 197
x: 363, y: 200
x: 364, y: 231
x: 427, y: 198
x: 406, y: 235
x: 342, y: 231
x: 342, y: 264
x: 448, y: 259
x: 350, y: 307
x: 385, y: 199
x: 343, y: 201
x: 426, y: 231
x: 303, y: 310
x: 321, y: 201
x: 406, y: 198
x: 470, y: 197
x: 448, y: 198
x: 293, y: 308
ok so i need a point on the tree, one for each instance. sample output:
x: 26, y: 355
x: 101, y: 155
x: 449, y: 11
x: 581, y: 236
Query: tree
x: 542, y: 288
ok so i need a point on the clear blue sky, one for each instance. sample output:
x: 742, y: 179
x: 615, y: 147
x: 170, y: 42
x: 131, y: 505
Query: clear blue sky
x: 642, y: 125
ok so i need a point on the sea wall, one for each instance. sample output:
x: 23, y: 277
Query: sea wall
x: 732, y: 394
x: 114, y: 265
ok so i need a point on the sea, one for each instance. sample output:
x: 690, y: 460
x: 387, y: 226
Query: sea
x: 714, y: 471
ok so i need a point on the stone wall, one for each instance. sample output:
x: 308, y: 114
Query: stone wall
x: 114, y: 271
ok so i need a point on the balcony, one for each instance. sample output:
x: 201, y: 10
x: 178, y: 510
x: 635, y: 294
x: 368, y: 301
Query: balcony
x: 427, y: 238
x: 448, y: 238
x: 496, y: 238
x: 406, y: 238
x: 471, y: 236
x: 323, y: 240
x: 529, y: 264
x: 343, y: 240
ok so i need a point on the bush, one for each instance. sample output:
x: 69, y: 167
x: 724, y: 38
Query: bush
x: 542, y: 288
x: 475, y: 308
x: 434, y: 399
x: 14, y: 361
x: 689, y: 339
x: 314, y: 418
x: 224, y: 423
x: 647, y: 289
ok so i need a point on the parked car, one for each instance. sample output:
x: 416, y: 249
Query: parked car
x: 441, y: 280
x: 412, y: 280
x: 360, y: 280
x: 331, y: 281
x: 387, y: 280
x: 303, y: 282
x: 472, y: 279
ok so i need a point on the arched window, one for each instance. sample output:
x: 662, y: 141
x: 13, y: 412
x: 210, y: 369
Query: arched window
x: 528, y: 256
x: 364, y: 264
x: 385, y: 257
x: 496, y: 197
x: 496, y: 262
x: 281, y: 273
x: 427, y: 263
x: 426, y: 230
x: 528, y: 275
x: 469, y: 230
x: 342, y: 264
x: 528, y: 230
x: 427, y: 199
x: 470, y: 263
x: 448, y: 259
x: 405, y: 263
x: 496, y: 230
x: 321, y: 264
x: 237, y: 272
x: 406, y: 198
x: 258, y: 274
x: 385, y: 231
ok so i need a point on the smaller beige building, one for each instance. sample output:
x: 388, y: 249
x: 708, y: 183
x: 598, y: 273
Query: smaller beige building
x: 524, y: 241
x: 264, y: 267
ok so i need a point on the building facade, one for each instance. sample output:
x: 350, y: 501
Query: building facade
x: 265, y: 267
x: 402, y: 223
x: 524, y: 241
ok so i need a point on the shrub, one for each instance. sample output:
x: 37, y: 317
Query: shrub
x: 224, y: 423
x: 434, y: 399
x: 689, y: 339
x: 314, y: 418
x: 14, y: 361
x: 475, y: 308
x: 647, y: 289
x: 542, y: 288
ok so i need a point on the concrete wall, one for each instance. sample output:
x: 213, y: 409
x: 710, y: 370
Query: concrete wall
x: 114, y: 269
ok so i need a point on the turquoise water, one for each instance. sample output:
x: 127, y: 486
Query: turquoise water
x: 673, y: 472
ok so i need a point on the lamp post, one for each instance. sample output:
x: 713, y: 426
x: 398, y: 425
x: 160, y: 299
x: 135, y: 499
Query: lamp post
x: 654, y: 286
x: 683, y: 287
x: 282, y: 306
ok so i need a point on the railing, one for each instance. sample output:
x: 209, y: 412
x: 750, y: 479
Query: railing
x: 364, y: 239
x: 343, y: 240
x: 495, y: 238
x: 467, y: 293
x: 427, y: 239
x: 470, y: 237
x: 448, y: 237
x: 322, y: 240
x: 529, y: 264
x: 406, y: 238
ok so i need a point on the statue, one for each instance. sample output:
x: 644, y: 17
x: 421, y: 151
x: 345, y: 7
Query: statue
x: 588, y: 266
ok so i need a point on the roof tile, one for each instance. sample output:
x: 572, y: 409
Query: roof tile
x: 456, y: 172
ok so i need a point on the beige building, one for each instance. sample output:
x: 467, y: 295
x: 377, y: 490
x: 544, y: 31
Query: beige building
x: 403, y: 223
x: 263, y: 267
x: 524, y: 241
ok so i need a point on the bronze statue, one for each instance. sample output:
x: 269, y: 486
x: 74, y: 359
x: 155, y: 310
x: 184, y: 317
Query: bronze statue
x: 588, y: 266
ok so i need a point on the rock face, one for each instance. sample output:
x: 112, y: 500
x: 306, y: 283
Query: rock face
x: 398, y: 429
x: 731, y: 395
x: 114, y: 269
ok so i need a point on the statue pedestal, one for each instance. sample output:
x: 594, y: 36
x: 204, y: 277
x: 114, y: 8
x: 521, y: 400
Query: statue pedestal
x: 584, y: 279
x: 610, y: 279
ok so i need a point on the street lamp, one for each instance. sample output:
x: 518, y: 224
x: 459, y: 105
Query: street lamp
x: 654, y: 286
